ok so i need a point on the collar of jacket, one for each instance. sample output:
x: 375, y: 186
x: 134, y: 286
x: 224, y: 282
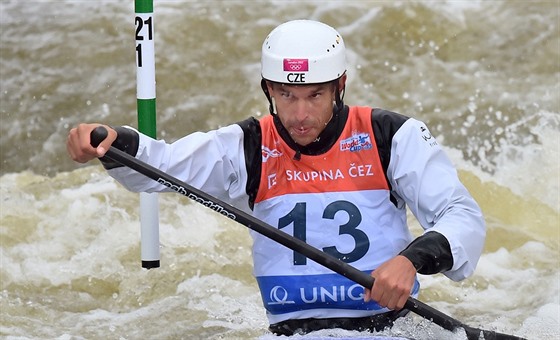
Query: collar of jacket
x: 326, y: 139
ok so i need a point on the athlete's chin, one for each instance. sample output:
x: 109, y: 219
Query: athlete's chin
x: 303, y: 140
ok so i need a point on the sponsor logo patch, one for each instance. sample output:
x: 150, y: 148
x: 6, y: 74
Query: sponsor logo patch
x: 296, y: 65
x: 358, y: 141
x: 267, y: 153
x: 427, y: 136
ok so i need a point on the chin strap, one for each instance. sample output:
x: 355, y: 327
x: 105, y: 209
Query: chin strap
x: 339, y: 96
x: 267, y: 94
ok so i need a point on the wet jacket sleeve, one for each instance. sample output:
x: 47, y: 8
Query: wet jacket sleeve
x: 210, y: 161
x: 127, y: 141
x: 429, y: 253
x: 423, y: 177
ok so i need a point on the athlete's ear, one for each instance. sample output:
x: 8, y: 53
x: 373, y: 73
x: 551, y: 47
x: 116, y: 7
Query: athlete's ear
x: 342, y: 83
x: 269, y: 86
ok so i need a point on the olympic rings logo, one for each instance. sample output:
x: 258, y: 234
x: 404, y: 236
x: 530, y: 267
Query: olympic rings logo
x: 299, y: 65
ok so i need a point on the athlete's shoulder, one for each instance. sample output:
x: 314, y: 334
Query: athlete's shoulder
x: 388, y: 122
x: 385, y: 123
x: 249, y: 124
x: 252, y: 132
x: 252, y: 144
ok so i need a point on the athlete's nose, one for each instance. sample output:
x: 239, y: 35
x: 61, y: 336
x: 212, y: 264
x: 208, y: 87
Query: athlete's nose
x: 301, y: 110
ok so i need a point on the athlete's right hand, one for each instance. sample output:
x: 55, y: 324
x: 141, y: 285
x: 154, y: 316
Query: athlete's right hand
x: 79, y: 146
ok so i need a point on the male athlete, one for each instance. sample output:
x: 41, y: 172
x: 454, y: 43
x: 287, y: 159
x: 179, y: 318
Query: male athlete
x: 335, y: 176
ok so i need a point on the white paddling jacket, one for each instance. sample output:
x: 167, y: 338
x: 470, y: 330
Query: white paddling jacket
x: 345, y: 194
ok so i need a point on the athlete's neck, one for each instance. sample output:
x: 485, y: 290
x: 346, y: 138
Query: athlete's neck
x: 326, y: 138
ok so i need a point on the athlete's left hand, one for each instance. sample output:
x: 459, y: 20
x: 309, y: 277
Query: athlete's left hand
x: 393, y: 283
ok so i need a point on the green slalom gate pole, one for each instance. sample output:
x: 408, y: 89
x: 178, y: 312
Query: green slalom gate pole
x: 146, y: 103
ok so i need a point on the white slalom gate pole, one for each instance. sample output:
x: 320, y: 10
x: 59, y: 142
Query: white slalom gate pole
x: 146, y: 102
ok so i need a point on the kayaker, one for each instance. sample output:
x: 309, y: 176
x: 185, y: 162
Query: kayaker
x: 338, y: 177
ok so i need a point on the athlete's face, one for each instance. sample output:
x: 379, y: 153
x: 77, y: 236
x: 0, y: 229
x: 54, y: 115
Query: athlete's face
x: 304, y: 110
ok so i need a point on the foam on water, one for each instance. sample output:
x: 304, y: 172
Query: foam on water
x: 75, y: 257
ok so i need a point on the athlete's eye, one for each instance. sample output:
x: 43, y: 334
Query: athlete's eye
x: 316, y: 94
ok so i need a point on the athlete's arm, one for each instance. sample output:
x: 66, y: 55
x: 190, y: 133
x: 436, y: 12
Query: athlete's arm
x: 213, y: 162
x: 430, y: 253
x: 425, y: 179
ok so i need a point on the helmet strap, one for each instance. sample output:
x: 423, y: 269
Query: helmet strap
x: 273, y: 109
x: 339, y: 95
x: 272, y: 105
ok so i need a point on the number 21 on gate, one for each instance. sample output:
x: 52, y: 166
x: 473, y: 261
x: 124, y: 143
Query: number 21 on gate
x: 144, y: 38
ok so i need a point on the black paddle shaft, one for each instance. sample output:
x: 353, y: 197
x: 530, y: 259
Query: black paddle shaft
x: 295, y: 244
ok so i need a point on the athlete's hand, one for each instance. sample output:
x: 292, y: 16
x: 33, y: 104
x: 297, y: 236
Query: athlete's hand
x: 393, y: 283
x: 79, y: 146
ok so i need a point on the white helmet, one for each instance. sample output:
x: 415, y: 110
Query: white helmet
x: 303, y: 52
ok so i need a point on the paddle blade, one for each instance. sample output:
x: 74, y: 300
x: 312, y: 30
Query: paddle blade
x: 476, y: 334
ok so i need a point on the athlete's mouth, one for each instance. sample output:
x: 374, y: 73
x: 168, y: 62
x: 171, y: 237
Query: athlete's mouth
x: 301, y: 131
